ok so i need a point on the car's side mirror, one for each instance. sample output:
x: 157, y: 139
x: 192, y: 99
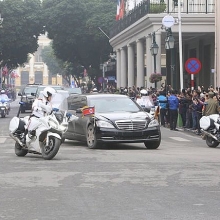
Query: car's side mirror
x: 79, y: 111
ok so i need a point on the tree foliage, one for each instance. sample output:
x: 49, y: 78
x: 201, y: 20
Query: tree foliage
x: 73, y: 25
x: 19, y: 31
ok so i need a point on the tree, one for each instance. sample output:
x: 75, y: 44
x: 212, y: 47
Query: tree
x: 73, y: 27
x: 19, y: 31
x: 54, y: 65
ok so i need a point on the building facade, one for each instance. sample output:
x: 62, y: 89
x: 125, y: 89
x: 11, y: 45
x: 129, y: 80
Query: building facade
x: 132, y: 37
x: 36, y: 71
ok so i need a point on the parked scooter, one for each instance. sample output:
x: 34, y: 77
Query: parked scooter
x: 45, y: 139
x: 4, y: 107
x: 210, y: 129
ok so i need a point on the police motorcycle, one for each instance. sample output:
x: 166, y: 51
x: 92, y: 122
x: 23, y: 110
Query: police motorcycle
x: 210, y: 128
x: 4, y: 107
x: 45, y: 139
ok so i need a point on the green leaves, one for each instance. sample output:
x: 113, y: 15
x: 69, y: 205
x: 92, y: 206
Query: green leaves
x: 20, y: 30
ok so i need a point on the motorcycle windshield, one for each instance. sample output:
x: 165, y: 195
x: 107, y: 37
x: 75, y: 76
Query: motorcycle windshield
x: 59, y: 100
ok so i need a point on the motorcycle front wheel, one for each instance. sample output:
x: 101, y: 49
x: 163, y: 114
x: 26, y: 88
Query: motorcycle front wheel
x: 3, y: 114
x: 49, y: 151
x: 211, y: 142
x: 19, y: 151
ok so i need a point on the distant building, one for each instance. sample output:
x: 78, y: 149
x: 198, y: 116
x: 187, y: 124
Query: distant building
x: 36, y: 71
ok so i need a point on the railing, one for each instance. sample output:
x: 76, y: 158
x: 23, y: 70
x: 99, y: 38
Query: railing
x: 161, y: 6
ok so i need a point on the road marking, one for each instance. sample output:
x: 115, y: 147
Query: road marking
x: 2, y: 140
x: 180, y: 139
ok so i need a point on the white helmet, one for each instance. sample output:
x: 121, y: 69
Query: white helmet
x: 49, y: 91
x: 3, y: 91
x: 143, y: 92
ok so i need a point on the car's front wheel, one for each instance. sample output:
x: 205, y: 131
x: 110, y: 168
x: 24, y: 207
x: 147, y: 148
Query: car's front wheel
x: 91, y: 137
x: 152, y: 144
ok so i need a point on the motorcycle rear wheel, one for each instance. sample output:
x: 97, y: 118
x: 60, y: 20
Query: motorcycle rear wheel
x: 19, y: 151
x: 50, y: 151
x: 211, y: 142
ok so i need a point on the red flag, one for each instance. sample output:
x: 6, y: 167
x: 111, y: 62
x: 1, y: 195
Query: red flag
x: 88, y: 111
x: 122, y: 9
x: 118, y: 10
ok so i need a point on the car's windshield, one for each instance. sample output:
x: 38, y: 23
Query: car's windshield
x: 113, y: 104
x: 41, y: 88
x: 29, y: 90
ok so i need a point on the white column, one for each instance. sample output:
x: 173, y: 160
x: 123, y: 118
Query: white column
x: 130, y: 65
x: 118, y: 70
x: 123, y: 68
x: 31, y: 63
x: 149, y: 60
x: 140, y: 63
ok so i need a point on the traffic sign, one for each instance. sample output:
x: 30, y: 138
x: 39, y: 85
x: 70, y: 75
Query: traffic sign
x: 168, y: 21
x: 193, y: 65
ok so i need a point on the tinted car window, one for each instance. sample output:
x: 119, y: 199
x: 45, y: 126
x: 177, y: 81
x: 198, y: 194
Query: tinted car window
x: 113, y: 104
x: 29, y: 90
x: 75, y: 102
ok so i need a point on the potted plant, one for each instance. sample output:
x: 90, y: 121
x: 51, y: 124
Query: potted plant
x: 155, y: 77
x: 157, y: 7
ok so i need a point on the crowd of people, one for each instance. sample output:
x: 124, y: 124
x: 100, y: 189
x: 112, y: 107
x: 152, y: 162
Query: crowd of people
x: 189, y: 105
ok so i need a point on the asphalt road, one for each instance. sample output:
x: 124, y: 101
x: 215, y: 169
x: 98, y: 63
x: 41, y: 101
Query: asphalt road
x: 180, y: 180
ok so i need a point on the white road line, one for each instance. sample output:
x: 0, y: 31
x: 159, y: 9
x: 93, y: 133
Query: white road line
x: 180, y: 139
x: 2, y: 140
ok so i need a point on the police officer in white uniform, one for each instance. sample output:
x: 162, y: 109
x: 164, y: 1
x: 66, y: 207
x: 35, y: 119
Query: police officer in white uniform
x: 40, y: 108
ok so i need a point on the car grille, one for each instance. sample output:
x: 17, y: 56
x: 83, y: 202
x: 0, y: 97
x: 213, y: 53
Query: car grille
x: 130, y: 125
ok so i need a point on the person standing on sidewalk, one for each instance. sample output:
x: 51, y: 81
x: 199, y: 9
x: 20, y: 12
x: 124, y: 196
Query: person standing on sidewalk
x: 211, y: 106
x: 163, y: 102
x: 173, y: 103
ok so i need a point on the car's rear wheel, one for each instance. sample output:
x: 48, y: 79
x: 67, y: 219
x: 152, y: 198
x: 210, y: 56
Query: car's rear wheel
x: 91, y: 137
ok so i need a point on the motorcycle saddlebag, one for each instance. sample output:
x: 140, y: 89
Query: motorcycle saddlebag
x: 205, y: 122
x: 16, y: 125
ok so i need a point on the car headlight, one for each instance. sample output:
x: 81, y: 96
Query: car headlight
x: 153, y: 123
x: 104, y: 124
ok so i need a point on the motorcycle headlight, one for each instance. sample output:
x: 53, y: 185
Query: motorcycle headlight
x: 153, y: 123
x: 104, y: 124
x: 53, y: 124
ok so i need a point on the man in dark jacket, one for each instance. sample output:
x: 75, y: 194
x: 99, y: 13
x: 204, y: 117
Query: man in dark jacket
x: 173, y: 103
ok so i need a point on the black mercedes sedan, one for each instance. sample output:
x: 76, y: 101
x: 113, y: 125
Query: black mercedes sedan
x: 111, y: 118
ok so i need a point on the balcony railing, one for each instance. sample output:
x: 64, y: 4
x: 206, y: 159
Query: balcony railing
x: 161, y: 6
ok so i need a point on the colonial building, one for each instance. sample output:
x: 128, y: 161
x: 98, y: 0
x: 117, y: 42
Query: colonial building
x: 36, y: 71
x: 133, y: 35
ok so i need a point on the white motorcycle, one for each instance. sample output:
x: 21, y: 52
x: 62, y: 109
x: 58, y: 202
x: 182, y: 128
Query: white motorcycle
x: 210, y: 129
x: 45, y: 139
x: 4, y: 107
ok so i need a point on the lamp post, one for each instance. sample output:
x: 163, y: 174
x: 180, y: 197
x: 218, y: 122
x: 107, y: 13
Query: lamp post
x: 1, y: 20
x: 169, y: 45
x: 154, y: 50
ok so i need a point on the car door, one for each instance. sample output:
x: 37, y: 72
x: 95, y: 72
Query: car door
x: 80, y: 124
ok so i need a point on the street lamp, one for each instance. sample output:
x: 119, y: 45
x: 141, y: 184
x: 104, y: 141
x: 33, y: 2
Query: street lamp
x: 154, y: 51
x: 1, y: 20
x: 169, y: 45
